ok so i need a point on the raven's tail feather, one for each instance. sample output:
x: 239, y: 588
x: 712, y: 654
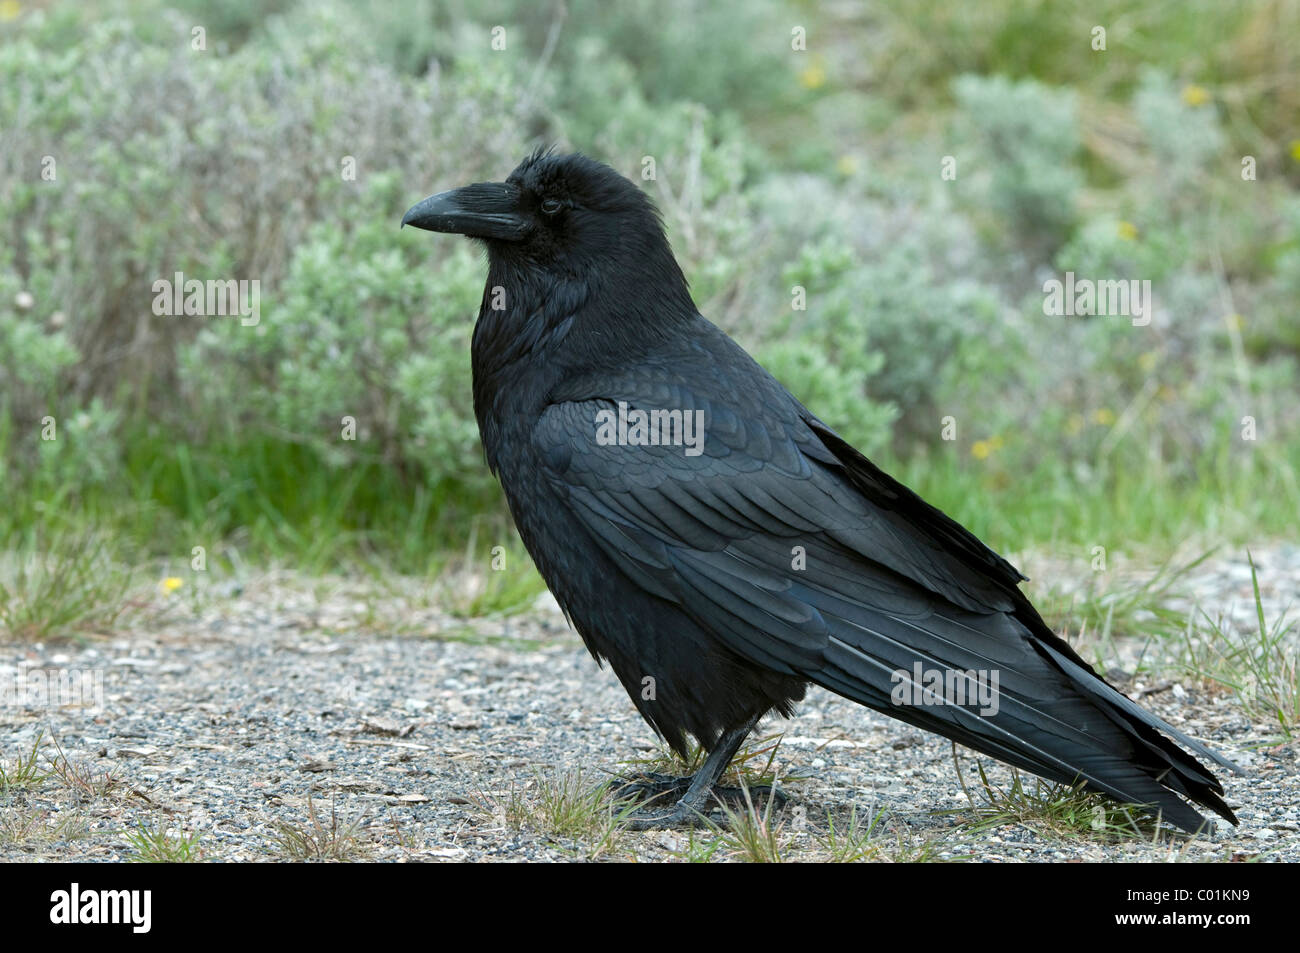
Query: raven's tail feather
x: 1047, y: 715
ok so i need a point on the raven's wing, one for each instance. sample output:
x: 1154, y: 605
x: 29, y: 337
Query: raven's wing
x: 799, y: 555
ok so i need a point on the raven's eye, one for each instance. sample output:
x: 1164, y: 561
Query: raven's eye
x: 551, y: 206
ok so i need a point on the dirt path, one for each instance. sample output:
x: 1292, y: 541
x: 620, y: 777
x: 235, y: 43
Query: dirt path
x: 231, y: 716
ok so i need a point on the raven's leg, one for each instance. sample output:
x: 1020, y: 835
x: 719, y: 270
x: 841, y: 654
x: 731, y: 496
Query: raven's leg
x: 689, y: 810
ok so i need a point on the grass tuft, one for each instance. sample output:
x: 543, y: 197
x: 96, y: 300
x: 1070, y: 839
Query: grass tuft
x: 1261, y: 666
x: 25, y: 770
x: 80, y: 779
x: 751, y: 835
x: 158, y: 846
x: 61, y: 583
x: 320, y: 841
x: 564, y: 808
x: 1056, y: 810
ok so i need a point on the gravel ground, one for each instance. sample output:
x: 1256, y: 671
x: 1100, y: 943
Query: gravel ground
x: 231, y: 712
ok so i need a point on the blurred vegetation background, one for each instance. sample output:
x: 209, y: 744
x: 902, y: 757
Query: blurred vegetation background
x: 775, y: 167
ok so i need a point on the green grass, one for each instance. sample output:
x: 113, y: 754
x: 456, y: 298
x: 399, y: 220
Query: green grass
x: 566, y: 808
x: 32, y: 829
x: 81, y: 780
x: 1026, y: 502
x: 851, y: 841
x: 24, y: 771
x: 31, y: 826
x: 260, y: 501
x: 1260, y: 665
x: 494, y: 580
x: 279, y: 500
x: 750, y: 833
x: 699, y: 847
x: 156, y: 845
x: 1103, y: 610
x: 59, y: 581
x: 755, y: 832
x: 1056, y: 810
x: 74, y: 571
x: 1044, y: 38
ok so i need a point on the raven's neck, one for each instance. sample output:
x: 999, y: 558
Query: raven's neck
x: 523, y: 323
x: 523, y: 313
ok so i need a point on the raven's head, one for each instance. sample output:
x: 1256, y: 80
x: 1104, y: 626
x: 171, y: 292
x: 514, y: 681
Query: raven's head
x: 564, y: 214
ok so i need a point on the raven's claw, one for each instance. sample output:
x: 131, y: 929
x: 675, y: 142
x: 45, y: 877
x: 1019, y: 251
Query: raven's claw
x: 686, y: 811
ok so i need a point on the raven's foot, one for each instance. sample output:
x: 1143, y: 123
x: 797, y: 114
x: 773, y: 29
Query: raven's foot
x: 679, y: 817
x: 666, y: 787
x: 692, y: 795
x: 686, y: 810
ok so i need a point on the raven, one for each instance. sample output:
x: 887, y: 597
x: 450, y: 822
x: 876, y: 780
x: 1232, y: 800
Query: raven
x: 721, y: 547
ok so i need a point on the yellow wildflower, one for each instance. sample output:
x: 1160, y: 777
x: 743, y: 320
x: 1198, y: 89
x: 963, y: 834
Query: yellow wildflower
x: 813, y: 76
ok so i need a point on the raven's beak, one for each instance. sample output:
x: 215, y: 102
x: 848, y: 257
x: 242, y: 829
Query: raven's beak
x: 482, y: 210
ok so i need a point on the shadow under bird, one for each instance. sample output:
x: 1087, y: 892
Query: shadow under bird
x: 751, y: 550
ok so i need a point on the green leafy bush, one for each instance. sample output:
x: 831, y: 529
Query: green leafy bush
x: 285, y: 150
x: 361, y: 354
x: 1025, y: 147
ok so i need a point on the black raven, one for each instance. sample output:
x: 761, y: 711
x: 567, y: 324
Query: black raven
x: 722, y: 547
